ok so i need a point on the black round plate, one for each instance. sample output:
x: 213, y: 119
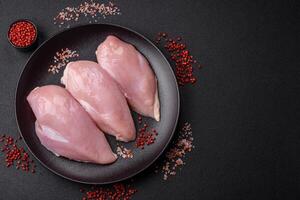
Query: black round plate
x: 85, y: 39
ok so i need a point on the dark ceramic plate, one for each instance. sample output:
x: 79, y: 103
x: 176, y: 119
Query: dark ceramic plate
x: 85, y: 39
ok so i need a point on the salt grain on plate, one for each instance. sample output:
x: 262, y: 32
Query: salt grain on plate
x: 124, y: 152
x: 61, y: 59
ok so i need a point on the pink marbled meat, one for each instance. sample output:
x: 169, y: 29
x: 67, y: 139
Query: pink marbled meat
x: 101, y: 97
x: 133, y: 73
x: 65, y: 128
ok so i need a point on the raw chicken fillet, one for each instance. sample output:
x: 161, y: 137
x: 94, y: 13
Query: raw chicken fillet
x: 65, y: 128
x: 101, y: 97
x: 132, y: 72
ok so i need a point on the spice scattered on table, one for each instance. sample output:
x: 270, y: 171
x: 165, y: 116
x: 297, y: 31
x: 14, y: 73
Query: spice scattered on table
x: 124, y: 152
x: 22, y: 33
x: 61, y: 59
x: 89, y: 9
x: 146, y: 135
x: 15, y: 155
x: 179, y: 148
x: 118, y: 191
x: 181, y: 56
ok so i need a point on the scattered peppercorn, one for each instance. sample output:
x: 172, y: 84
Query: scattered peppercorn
x: 22, y: 33
x: 15, y: 155
x: 118, y: 191
x: 181, y: 56
x: 145, y: 136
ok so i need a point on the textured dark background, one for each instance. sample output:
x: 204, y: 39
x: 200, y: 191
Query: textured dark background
x: 244, y: 108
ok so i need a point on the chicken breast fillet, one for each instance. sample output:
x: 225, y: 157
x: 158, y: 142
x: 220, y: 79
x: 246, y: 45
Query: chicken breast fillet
x: 101, y: 97
x: 65, y: 128
x: 133, y: 73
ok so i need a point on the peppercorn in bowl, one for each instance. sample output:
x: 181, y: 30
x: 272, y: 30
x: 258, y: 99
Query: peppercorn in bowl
x: 22, y: 34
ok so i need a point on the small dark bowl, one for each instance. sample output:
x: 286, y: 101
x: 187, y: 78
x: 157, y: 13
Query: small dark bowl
x: 34, y: 42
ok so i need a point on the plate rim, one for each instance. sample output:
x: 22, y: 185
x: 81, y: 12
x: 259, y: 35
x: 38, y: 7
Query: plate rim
x: 138, y: 171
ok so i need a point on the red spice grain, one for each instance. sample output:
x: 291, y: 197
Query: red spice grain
x: 145, y: 136
x: 181, y: 56
x: 15, y: 155
x: 118, y: 191
x: 22, y: 34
